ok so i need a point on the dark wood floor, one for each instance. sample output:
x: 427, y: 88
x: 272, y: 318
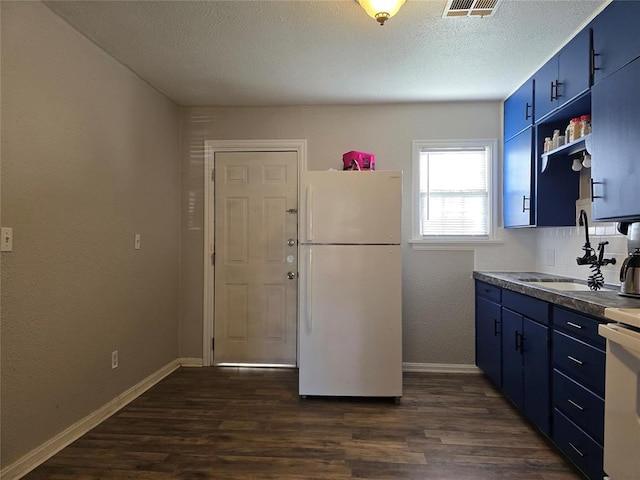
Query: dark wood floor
x: 228, y: 423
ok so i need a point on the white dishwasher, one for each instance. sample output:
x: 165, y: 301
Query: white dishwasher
x: 622, y: 396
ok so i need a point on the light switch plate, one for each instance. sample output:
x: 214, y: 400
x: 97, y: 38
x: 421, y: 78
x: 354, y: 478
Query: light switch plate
x: 6, y: 239
x: 136, y: 241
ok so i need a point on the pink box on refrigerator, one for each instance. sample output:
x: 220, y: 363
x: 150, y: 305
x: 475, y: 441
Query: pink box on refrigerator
x: 355, y: 160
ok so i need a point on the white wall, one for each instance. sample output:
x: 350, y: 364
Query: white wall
x: 438, y: 285
x: 89, y: 157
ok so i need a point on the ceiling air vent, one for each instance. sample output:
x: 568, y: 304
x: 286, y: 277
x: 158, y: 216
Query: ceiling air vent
x: 471, y: 8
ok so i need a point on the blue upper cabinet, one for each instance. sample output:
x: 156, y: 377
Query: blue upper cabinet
x: 564, y: 77
x: 518, y: 207
x: 615, y: 168
x: 518, y: 110
x: 616, y: 41
x: 545, y: 81
x: 574, y: 68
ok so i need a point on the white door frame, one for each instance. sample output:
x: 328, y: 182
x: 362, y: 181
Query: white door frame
x: 210, y: 148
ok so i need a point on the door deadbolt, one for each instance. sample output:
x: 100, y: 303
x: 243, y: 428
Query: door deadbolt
x: 291, y: 275
x: 291, y: 242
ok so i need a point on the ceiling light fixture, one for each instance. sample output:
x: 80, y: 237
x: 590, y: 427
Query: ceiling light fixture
x: 381, y: 10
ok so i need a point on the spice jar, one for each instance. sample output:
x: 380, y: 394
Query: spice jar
x: 585, y: 125
x: 573, y: 130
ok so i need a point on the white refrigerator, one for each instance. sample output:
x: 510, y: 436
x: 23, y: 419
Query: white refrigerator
x: 350, y: 299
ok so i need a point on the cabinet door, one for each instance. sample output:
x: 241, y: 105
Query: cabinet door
x: 488, y: 339
x: 615, y: 38
x: 615, y: 143
x: 512, y: 356
x: 518, y: 110
x: 573, y: 68
x: 517, y: 181
x: 535, y: 346
x: 544, y: 88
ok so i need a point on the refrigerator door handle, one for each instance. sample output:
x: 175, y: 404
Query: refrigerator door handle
x: 309, y: 208
x: 309, y: 292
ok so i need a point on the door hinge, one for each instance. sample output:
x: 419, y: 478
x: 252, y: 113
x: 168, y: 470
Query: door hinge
x: 213, y: 175
x: 213, y: 258
x: 213, y: 343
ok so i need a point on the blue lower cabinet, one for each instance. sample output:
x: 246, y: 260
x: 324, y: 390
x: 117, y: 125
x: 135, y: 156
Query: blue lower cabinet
x: 581, y: 405
x: 550, y: 362
x: 535, y: 346
x: 488, y: 348
x: 525, y: 367
x: 583, y: 451
x: 578, y: 390
x: 580, y: 361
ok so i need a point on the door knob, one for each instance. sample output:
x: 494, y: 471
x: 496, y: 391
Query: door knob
x: 291, y: 275
x: 291, y: 242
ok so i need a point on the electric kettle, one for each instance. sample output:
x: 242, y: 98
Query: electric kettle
x: 630, y: 275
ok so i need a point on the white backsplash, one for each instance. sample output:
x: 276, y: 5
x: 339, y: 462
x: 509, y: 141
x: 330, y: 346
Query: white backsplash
x: 558, y: 249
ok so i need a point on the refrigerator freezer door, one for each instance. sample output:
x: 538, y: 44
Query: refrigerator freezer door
x: 351, y: 321
x: 350, y: 207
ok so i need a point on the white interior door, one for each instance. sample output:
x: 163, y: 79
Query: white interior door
x: 256, y: 258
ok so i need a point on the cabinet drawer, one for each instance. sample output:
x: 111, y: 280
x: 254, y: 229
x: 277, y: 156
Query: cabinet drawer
x: 489, y: 291
x: 579, y: 361
x: 529, y: 307
x: 581, y: 405
x: 579, y: 326
x: 581, y: 449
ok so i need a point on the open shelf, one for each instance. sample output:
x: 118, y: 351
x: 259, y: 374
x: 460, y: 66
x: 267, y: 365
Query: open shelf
x: 566, y: 150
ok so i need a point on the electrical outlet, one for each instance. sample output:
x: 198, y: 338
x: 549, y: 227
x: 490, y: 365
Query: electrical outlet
x: 114, y: 359
x: 550, y: 257
x: 136, y: 241
x: 6, y: 239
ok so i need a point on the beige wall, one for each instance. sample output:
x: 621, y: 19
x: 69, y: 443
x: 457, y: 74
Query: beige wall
x: 89, y: 157
x: 438, y: 286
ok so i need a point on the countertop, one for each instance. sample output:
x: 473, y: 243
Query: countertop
x: 591, y: 303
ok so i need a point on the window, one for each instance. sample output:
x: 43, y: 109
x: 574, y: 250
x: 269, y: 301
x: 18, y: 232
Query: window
x: 453, y: 183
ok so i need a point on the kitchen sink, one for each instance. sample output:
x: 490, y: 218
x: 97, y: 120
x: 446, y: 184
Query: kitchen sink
x: 564, y: 284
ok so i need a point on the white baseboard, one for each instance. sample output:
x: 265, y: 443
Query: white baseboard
x: 439, y: 368
x: 48, y: 449
x: 190, y: 362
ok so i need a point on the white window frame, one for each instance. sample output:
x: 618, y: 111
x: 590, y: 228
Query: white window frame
x: 416, y: 238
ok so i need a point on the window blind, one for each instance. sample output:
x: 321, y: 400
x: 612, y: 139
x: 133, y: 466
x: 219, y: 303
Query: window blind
x: 454, y: 192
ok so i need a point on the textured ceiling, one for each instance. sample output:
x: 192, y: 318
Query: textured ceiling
x: 306, y: 52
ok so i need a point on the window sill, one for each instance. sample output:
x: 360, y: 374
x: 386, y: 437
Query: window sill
x: 453, y: 243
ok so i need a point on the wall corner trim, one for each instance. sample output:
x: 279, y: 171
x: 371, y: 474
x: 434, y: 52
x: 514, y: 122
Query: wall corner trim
x: 439, y: 368
x: 48, y: 449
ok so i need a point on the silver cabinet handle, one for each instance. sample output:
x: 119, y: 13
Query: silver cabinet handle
x: 579, y: 407
x: 576, y: 449
x: 573, y: 359
x: 574, y: 325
